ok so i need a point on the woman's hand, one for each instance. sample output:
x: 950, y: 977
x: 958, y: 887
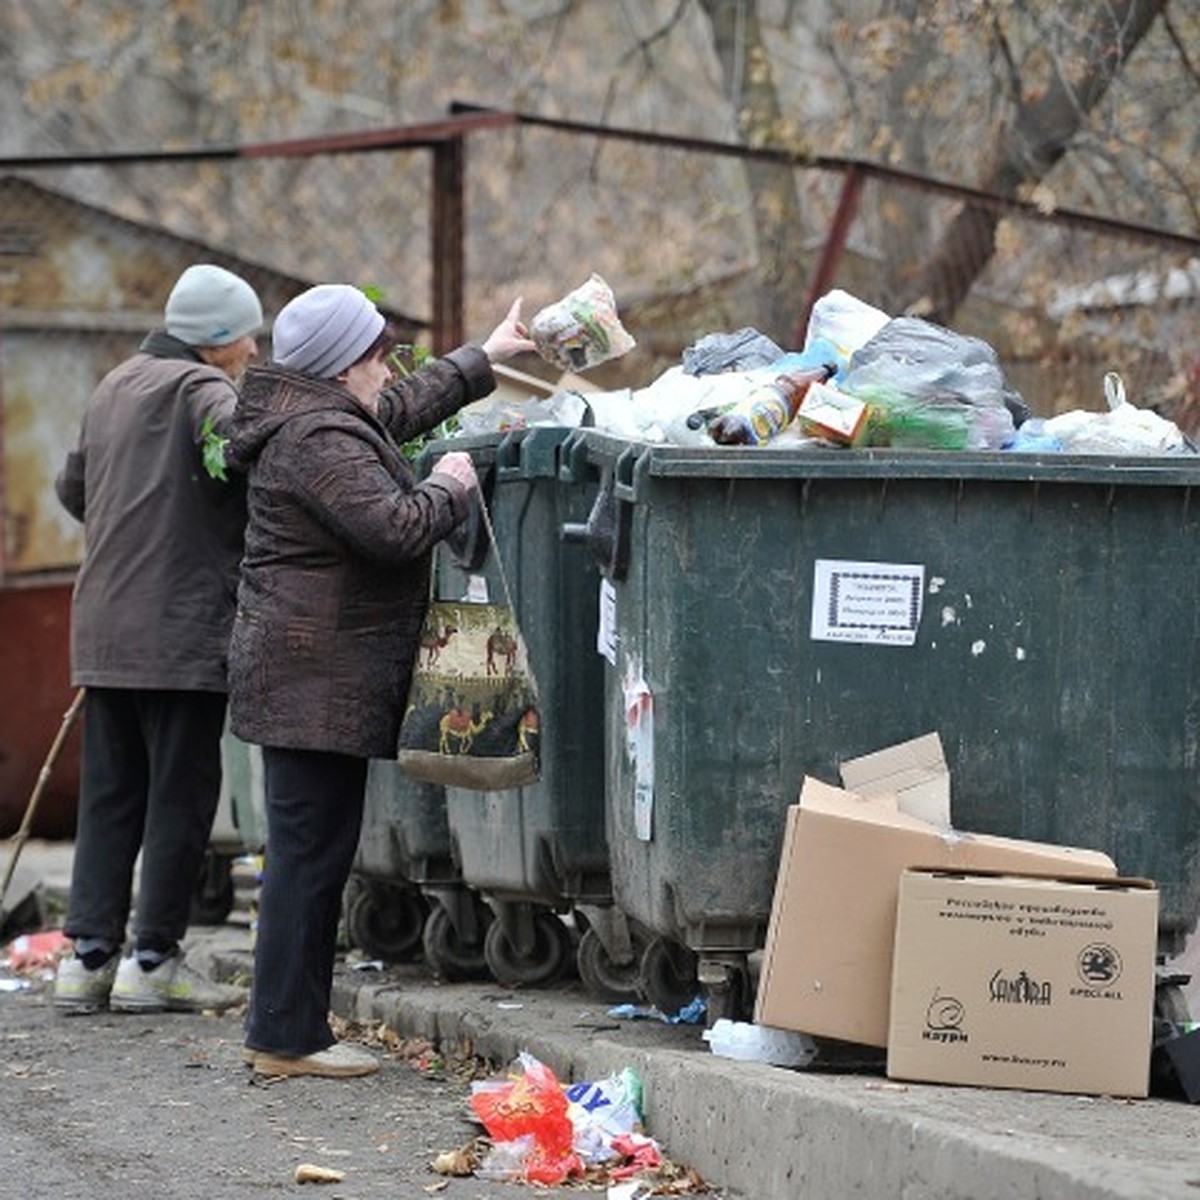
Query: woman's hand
x: 509, y: 337
x: 458, y: 465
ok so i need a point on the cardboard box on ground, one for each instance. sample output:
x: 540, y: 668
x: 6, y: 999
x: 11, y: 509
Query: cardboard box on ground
x: 1015, y: 982
x: 827, y: 962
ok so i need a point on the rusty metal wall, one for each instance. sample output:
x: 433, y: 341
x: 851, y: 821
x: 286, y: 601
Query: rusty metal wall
x: 35, y: 693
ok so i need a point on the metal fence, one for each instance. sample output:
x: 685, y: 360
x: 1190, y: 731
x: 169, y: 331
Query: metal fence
x: 90, y: 245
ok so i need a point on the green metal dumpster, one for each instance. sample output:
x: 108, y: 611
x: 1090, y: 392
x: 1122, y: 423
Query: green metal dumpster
x: 404, y: 860
x: 539, y: 852
x: 239, y: 827
x: 776, y: 611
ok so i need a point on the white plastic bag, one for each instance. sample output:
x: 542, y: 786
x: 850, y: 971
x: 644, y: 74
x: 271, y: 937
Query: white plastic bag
x: 582, y: 329
x: 1123, y: 429
x: 844, y: 321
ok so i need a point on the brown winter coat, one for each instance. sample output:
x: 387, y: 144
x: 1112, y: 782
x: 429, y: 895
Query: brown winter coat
x: 154, y: 596
x: 335, y: 578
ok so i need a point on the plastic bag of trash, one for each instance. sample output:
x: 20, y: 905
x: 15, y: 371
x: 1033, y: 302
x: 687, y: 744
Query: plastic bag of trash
x: 845, y: 321
x: 494, y: 415
x: 1123, y: 429
x: 529, y: 1107
x: 932, y: 388
x: 582, y: 329
x: 603, y: 1110
x: 743, y: 350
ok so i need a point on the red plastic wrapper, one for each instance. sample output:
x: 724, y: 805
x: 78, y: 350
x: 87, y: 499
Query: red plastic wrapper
x: 531, y: 1105
x: 35, y: 951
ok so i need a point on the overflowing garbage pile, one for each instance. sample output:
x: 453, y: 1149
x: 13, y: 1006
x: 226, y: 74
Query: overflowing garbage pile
x: 862, y: 379
x: 544, y: 1133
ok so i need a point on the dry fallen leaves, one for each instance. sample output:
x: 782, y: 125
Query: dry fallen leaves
x: 462, y: 1161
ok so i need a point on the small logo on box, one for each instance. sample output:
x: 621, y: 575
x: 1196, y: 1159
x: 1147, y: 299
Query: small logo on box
x: 943, y: 1020
x: 1018, y: 989
x: 1099, y: 966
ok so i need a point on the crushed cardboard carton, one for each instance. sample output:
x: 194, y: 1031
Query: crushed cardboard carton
x: 827, y: 961
x: 1014, y: 982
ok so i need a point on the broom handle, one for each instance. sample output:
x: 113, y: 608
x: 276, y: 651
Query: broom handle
x: 22, y: 834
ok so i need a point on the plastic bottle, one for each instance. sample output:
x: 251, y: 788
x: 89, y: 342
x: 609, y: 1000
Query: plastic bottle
x: 768, y: 409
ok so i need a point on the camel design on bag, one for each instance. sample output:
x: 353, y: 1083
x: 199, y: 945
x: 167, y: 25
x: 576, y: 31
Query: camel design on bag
x: 528, y: 727
x: 502, y: 646
x: 459, y: 726
x: 432, y: 643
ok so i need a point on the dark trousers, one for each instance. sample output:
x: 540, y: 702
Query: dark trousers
x: 150, y: 782
x: 314, y: 816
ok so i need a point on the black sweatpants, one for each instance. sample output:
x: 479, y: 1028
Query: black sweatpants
x: 150, y: 782
x: 314, y: 806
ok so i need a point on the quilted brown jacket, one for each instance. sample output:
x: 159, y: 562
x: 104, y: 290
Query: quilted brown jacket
x: 335, y: 575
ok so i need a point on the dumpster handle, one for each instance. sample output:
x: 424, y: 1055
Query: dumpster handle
x: 606, y: 532
x: 623, y: 471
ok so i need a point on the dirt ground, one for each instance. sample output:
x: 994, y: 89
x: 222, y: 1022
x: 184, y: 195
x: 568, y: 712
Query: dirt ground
x: 162, y: 1106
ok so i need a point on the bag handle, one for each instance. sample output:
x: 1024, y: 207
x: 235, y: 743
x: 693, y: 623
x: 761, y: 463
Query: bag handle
x: 487, y: 524
x: 512, y: 608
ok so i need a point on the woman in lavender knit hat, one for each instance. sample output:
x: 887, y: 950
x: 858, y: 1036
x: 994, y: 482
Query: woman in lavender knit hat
x: 334, y: 586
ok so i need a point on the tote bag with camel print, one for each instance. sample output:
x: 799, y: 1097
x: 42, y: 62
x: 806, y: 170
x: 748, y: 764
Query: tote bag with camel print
x: 472, y: 717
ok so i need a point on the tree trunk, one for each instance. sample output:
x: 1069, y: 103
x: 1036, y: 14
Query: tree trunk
x: 1037, y: 140
x: 745, y: 68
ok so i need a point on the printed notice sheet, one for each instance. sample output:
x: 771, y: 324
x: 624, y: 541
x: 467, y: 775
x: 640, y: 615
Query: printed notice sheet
x: 873, y: 603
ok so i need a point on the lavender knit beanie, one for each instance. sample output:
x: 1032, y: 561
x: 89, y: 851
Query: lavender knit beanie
x: 325, y: 330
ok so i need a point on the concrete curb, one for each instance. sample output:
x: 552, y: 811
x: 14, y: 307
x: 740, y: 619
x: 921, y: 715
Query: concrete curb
x: 768, y: 1132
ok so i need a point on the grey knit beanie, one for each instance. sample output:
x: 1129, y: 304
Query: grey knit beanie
x: 325, y: 330
x: 209, y: 306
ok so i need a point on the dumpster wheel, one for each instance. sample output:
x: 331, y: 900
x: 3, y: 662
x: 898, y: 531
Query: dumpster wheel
x: 614, y: 982
x: 546, y: 961
x: 669, y: 978
x: 387, y: 921
x: 447, y: 954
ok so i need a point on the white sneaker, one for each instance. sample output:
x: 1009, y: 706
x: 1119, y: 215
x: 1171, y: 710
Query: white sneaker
x: 78, y: 990
x: 339, y: 1061
x: 172, y: 986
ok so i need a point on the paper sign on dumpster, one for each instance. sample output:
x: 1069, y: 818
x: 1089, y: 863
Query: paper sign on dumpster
x: 868, y: 602
x: 639, y: 744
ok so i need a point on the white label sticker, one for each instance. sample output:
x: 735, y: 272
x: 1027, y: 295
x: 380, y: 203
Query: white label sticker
x: 606, y: 628
x: 477, y: 590
x: 872, y: 603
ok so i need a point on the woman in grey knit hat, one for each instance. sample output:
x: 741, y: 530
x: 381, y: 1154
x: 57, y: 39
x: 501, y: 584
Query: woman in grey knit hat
x: 334, y: 586
x: 150, y: 621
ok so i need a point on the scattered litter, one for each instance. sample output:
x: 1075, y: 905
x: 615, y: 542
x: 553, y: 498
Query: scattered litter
x: 760, y: 1043
x: 692, y: 1013
x: 311, y: 1173
x: 461, y: 1162
x: 543, y: 1132
x: 631, y: 1189
x: 13, y: 985
x: 510, y: 1004
x: 373, y: 964
x: 37, y: 951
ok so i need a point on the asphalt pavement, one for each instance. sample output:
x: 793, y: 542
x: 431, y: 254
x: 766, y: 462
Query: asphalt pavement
x: 833, y: 1131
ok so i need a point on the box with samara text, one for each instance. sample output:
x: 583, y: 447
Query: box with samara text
x: 1017, y: 982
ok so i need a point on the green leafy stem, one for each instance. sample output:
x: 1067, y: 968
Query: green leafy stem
x: 212, y: 450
